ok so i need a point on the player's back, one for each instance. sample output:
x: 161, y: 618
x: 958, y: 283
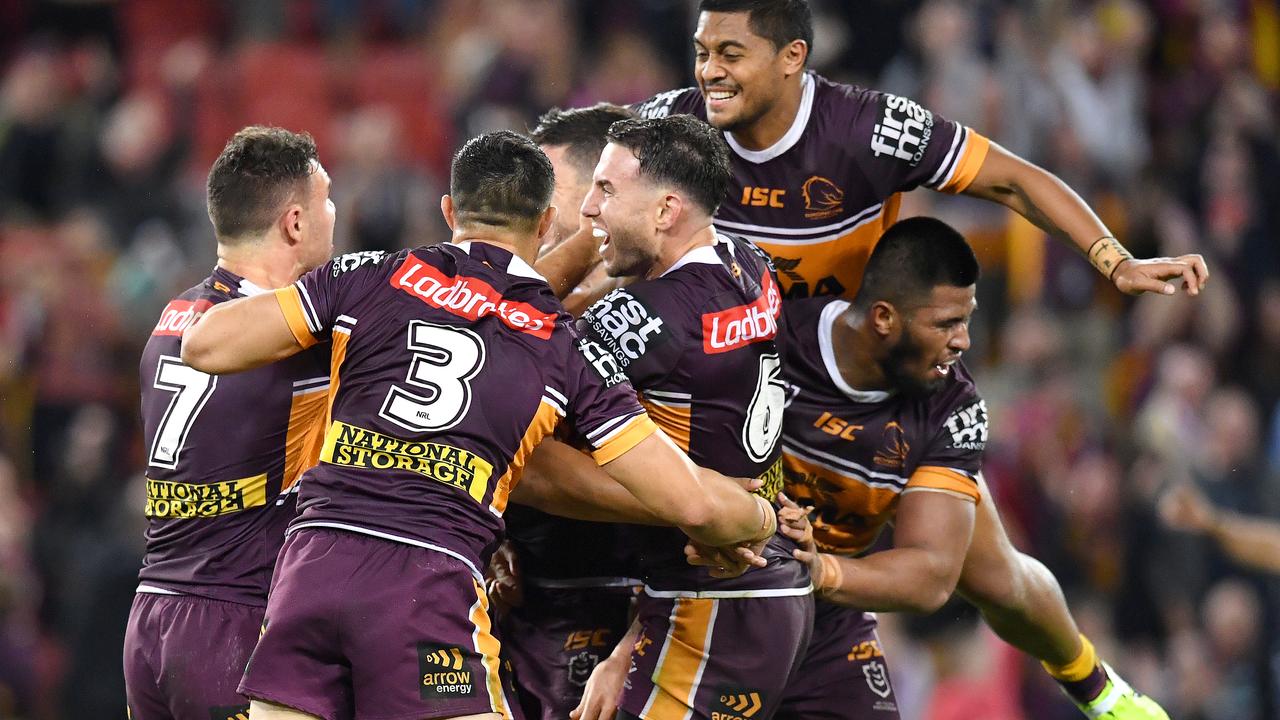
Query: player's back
x: 821, y: 196
x: 700, y: 345
x: 451, y: 364
x: 223, y: 456
x: 852, y: 453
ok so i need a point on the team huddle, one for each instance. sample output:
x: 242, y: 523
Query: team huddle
x: 622, y: 447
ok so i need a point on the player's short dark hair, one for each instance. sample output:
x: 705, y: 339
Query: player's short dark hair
x: 778, y: 21
x: 680, y: 150
x: 913, y: 257
x: 256, y: 173
x: 581, y: 131
x: 500, y: 178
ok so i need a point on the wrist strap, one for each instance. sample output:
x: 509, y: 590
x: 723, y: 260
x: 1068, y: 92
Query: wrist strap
x: 1106, y: 253
x: 832, y: 574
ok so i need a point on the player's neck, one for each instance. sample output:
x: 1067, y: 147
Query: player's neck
x: 260, y: 263
x: 525, y: 248
x: 673, y: 249
x: 769, y: 128
x: 855, y: 358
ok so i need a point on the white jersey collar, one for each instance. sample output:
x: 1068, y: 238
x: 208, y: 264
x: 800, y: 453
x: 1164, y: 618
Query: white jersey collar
x: 826, y: 321
x: 787, y: 141
x: 704, y: 254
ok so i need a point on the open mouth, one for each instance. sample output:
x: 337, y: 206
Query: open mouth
x: 602, y: 235
x: 718, y: 97
x: 943, y: 369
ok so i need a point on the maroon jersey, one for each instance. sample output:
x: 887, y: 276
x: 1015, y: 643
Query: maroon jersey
x: 820, y: 197
x: 853, y: 453
x: 221, y: 450
x: 450, y: 364
x: 700, y: 344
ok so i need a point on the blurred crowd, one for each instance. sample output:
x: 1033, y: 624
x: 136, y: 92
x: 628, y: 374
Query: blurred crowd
x: 1164, y: 114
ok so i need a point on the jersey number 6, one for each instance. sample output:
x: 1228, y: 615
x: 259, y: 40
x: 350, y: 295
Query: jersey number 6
x: 764, y: 415
x: 444, y: 361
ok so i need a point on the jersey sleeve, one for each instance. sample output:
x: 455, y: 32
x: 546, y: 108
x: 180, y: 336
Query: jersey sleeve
x: 602, y: 405
x: 672, y: 102
x: 954, y: 457
x: 313, y: 303
x: 636, y: 326
x: 902, y: 145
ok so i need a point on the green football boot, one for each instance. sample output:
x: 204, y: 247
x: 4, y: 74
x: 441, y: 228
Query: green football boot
x: 1119, y: 701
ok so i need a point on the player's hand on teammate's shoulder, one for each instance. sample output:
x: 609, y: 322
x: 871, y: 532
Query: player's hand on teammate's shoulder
x: 1160, y: 275
x: 793, y: 521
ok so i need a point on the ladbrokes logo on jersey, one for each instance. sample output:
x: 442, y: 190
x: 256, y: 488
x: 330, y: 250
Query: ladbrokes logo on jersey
x: 445, y: 671
x: 470, y: 298
x: 357, y: 447
x: 624, y: 325
x: 904, y: 131
x: 745, y: 324
x: 190, y: 500
x: 178, y: 316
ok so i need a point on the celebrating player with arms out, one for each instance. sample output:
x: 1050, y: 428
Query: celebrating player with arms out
x: 450, y: 364
x: 225, y: 453
x: 885, y: 425
x: 817, y: 171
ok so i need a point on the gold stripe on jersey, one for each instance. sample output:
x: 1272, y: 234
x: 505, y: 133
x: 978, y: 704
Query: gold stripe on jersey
x: 543, y: 424
x: 489, y: 649
x: 941, y: 478
x: 842, y: 258
x: 357, y: 447
x: 337, y: 355
x: 675, y: 421
x: 636, y: 429
x: 856, y: 511
x: 290, y: 301
x: 167, y: 499
x: 675, y: 679
x: 304, y: 438
x: 970, y: 162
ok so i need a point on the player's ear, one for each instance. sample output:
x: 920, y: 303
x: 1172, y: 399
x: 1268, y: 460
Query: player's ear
x: 885, y: 319
x: 669, y: 211
x: 291, y: 222
x: 546, y: 221
x: 446, y: 209
x: 793, y: 56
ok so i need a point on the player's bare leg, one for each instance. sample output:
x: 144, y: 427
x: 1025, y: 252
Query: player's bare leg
x: 261, y: 710
x: 1022, y: 602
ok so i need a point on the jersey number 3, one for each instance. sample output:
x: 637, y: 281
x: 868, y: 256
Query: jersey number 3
x: 764, y: 415
x: 444, y: 361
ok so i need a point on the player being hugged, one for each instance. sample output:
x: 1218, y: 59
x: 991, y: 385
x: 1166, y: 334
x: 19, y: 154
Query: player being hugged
x: 450, y: 364
x: 225, y: 453
x: 698, y: 335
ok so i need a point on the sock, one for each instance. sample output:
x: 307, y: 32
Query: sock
x: 1083, y: 678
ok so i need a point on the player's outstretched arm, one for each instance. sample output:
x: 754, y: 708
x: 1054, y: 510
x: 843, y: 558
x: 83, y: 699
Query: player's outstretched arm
x: 239, y: 335
x: 1052, y: 206
x: 567, y: 264
x: 930, y: 539
x: 560, y: 480
x: 710, y: 508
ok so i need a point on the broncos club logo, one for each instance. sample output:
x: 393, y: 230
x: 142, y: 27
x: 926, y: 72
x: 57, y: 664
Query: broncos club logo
x: 894, y: 447
x: 822, y: 198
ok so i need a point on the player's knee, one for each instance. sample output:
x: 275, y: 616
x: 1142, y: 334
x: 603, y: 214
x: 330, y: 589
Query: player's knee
x: 994, y: 574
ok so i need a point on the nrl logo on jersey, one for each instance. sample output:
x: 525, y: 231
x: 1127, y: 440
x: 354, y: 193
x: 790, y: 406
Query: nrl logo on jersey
x: 904, y: 131
x: 968, y: 427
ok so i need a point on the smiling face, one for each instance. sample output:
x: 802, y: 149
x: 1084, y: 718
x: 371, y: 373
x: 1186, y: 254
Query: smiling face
x: 932, y: 338
x: 622, y: 204
x: 738, y: 72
